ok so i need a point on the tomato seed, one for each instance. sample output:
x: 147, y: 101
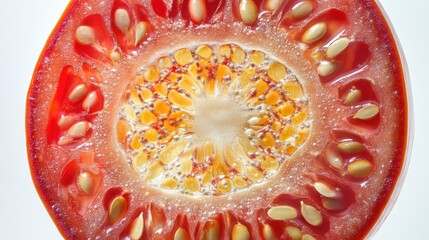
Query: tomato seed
x: 294, y: 233
x: 137, y: 227
x: 78, y: 93
x: 249, y: 12
x: 122, y: 20
x: 273, y: 5
x: 337, y: 47
x: 308, y: 237
x: 181, y: 234
x: 117, y: 209
x: 326, y: 68
x: 86, y: 183
x: 325, y: 190
x: 367, y: 112
x: 353, y: 97
x: 267, y: 232
x: 311, y: 214
x: 90, y: 101
x: 314, y: 33
x: 85, y: 35
x: 334, y: 159
x: 141, y: 30
x: 66, y: 122
x: 197, y: 10
x: 212, y: 230
x: 240, y: 232
x: 361, y: 168
x: 282, y: 213
x: 351, y: 147
x: 302, y: 10
x: 79, y: 129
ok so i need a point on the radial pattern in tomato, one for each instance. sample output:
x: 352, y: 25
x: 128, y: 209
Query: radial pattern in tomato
x: 218, y: 119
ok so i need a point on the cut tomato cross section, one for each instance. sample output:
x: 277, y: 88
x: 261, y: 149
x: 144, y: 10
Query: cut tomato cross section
x: 218, y: 119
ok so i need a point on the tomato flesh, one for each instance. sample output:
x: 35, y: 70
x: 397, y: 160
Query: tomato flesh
x: 218, y: 119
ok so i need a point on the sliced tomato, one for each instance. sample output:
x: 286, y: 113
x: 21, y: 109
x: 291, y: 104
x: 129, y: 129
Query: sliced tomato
x: 218, y: 119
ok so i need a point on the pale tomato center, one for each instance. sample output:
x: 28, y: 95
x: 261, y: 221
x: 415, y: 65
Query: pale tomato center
x: 213, y: 119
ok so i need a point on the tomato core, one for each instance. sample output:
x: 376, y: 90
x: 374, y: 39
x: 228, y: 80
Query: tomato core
x: 212, y: 119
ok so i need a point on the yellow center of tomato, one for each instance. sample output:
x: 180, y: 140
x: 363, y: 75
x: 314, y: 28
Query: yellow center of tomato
x: 212, y: 119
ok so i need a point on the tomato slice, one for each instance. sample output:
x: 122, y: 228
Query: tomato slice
x: 218, y: 119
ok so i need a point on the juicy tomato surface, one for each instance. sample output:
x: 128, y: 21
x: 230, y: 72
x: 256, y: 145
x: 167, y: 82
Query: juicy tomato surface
x: 218, y: 119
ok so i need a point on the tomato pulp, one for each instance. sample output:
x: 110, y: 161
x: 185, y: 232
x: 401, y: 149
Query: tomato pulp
x: 218, y: 119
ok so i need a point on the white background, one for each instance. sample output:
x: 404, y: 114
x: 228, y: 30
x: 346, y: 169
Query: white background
x: 25, y: 26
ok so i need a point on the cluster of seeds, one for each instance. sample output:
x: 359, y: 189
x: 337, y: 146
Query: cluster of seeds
x: 212, y: 119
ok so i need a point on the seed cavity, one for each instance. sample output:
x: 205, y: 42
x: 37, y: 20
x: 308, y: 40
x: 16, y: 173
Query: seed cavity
x: 249, y: 11
x: 85, y: 35
x: 197, y: 10
x: 337, y: 47
x: 311, y: 214
x: 122, y: 20
x: 325, y: 190
x: 367, y: 112
x: 314, y: 33
x: 118, y: 208
x: 240, y: 232
x: 137, y: 227
x: 282, y: 213
x: 361, y: 168
x: 302, y: 10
